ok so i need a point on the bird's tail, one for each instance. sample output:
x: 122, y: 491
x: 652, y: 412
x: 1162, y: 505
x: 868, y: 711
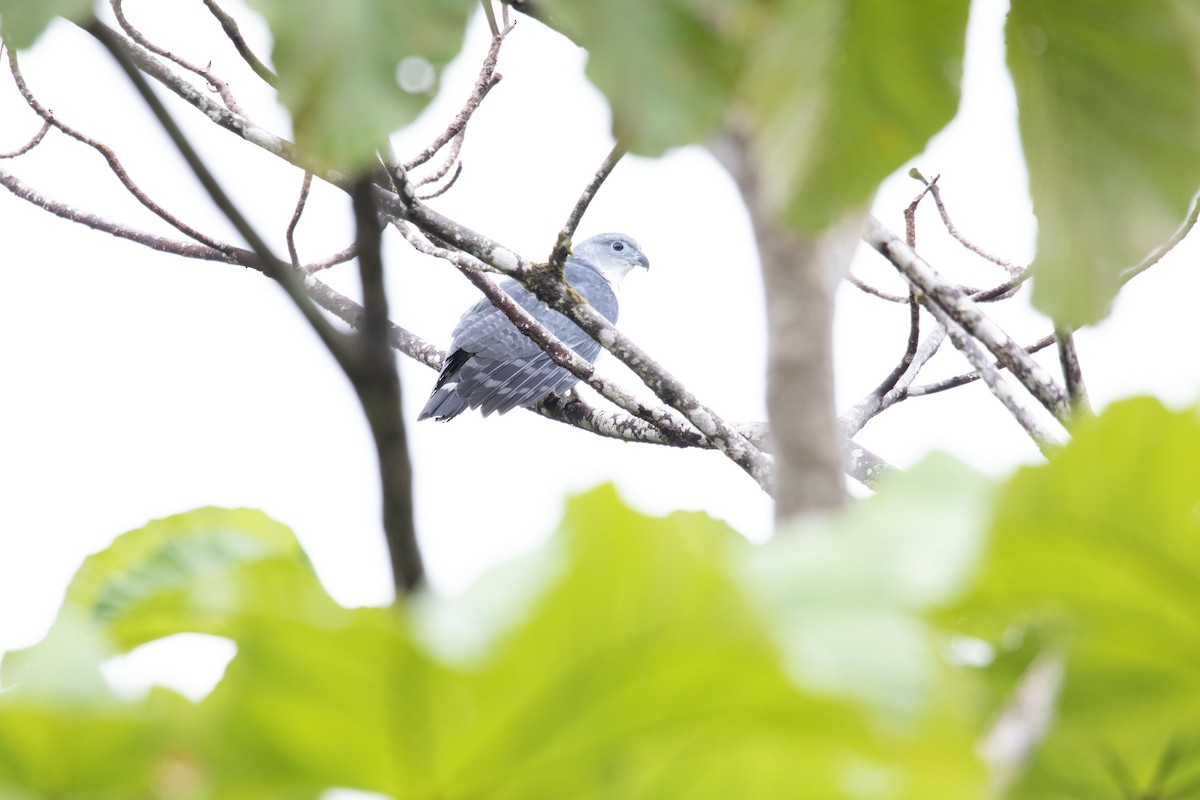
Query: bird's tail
x: 443, y: 405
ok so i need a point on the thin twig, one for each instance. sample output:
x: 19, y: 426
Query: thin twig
x: 110, y: 157
x: 932, y: 187
x: 969, y: 377
x: 217, y: 113
x: 97, y: 223
x: 290, y: 234
x: 445, y: 187
x: 963, y: 310
x: 869, y: 289
x: 340, y: 257
x: 914, y: 308
x: 221, y: 87
x: 1001, y: 292
x: 910, y: 211
x: 487, y: 79
x: 332, y: 338
x: 1072, y: 371
x: 32, y: 143
x: 1156, y: 256
x: 871, y: 406
x: 562, y: 245
x: 234, y: 34
x: 450, y: 161
x: 1046, y: 441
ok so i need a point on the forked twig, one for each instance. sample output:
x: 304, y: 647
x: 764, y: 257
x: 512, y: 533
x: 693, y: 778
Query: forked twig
x: 562, y: 245
x: 230, y: 26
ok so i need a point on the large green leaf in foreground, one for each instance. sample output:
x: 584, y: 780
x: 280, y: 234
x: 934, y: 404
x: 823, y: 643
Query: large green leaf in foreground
x: 840, y: 93
x: 629, y: 661
x: 1108, y: 94
x: 1097, y: 557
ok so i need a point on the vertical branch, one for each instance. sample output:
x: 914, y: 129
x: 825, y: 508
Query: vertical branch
x: 800, y: 276
x: 378, y: 387
x: 373, y: 376
x: 1072, y: 371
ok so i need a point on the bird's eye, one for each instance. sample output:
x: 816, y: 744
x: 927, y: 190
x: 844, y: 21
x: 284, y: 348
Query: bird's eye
x: 618, y: 246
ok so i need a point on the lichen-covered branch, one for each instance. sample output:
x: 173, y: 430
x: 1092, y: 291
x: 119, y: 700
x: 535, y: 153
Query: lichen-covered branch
x: 960, y: 308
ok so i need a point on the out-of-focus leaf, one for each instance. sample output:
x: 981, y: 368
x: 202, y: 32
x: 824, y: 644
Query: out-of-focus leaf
x: 1097, y: 556
x: 353, y: 71
x: 63, y: 732
x: 667, y: 68
x: 22, y: 21
x: 641, y: 671
x: 194, y: 572
x: 311, y: 704
x: 1108, y: 93
x: 842, y: 92
x: 846, y: 593
x: 833, y: 94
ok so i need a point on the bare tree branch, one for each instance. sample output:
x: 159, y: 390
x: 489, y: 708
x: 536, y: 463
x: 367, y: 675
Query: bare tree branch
x: 867, y: 288
x: 377, y: 383
x: 562, y: 245
x: 1156, y: 256
x: 873, y: 404
x: 487, y: 79
x: 216, y: 83
x: 114, y: 163
x: 32, y: 143
x: 1046, y: 441
x: 962, y: 310
x: 373, y: 375
x: 932, y: 186
x: 290, y: 233
x: 234, y: 34
x: 218, y: 114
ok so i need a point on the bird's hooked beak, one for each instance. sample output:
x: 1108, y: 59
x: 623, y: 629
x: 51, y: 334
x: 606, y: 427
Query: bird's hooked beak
x: 645, y: 262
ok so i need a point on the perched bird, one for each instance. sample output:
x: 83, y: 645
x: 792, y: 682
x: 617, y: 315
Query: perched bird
x: 492, y: 366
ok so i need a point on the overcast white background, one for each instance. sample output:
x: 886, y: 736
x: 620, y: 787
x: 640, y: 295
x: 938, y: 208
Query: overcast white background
x: 137, y: 385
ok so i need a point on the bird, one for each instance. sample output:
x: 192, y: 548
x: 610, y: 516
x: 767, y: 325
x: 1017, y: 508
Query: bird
x: 493, y: 367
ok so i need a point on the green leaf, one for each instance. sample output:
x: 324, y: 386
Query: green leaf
x: 1108, y: 93
x: 842, y: 92
x: 352, y: 72
x: 667, y: 68
x: 842, y: 588
x: 307, y: 704
x: 1097, y: 556
x: 636, y: 668
x: 22, y: 21
x: 63, y: 731
x: 194, y: 572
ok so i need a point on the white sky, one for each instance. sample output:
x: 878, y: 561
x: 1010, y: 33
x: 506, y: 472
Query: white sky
x: 138, y: 385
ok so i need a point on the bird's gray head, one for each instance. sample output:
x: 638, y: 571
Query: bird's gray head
x: 614, y: 254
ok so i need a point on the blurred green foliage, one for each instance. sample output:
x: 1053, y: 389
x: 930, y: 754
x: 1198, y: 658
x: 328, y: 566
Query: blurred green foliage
x: 635, y: 656
x: 1108, y: 95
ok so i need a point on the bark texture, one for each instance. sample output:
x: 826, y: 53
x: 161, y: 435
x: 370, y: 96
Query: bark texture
x: 800, y: 276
